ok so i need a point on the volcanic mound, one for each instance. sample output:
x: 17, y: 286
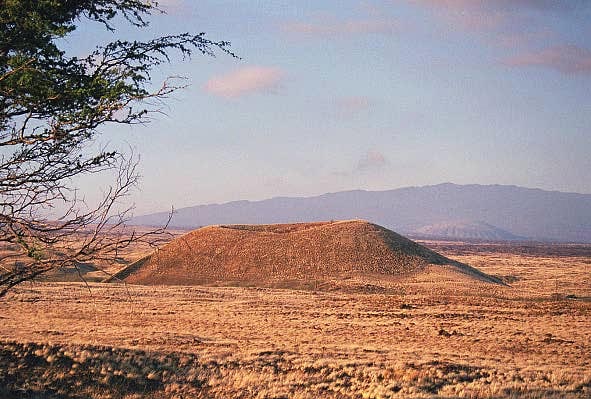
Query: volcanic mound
x: 288, y: 255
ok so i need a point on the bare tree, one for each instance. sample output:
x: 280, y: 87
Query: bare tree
x: 51, y: 108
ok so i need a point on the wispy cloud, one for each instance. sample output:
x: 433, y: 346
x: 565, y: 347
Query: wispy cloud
x: 566, y: 59
x: 371, y: 160
x: 491, y: 14
x: 174, y: 7
x: 517, y: 40
x: 328, y: 27
x: 351, y: 105
x: 519, y: 25
x: 475, y: 15
x: 505, y: 5
x: 245, y: 80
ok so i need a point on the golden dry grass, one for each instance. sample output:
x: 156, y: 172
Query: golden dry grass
x: 97, y: 270
x: 436, y: 335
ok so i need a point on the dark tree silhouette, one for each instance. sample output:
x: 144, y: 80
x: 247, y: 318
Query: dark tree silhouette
x: 51, y: 106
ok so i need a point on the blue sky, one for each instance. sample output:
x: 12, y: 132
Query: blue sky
x: 338, y: 95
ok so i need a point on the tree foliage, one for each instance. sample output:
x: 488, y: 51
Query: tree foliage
x: 52, y: 105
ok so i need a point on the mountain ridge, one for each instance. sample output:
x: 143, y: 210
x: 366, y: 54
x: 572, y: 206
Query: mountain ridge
x: 530, y: 213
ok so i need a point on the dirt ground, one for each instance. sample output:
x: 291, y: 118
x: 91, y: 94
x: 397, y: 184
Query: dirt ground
x: 422, y: 338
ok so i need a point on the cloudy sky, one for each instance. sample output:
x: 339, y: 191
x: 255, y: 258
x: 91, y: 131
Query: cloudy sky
x: 338, y: 95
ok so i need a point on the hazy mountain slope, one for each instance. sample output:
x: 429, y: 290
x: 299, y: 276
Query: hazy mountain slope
x: 532, y: 213
x: 466, y: 230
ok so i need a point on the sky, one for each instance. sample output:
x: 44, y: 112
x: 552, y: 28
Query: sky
x: 375, y: 95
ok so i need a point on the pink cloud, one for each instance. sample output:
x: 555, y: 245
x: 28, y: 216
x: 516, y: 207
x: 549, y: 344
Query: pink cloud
x: 504, y: 5
x: 342, y: 28
x: 371, y: 160
x: 567, y: 59
x: 491, y: 14
x: 352, y: 104
x: 451, y: 3
x: 175, y: 7
x: 469, y: 14
x: 245, y: 80
x: 525, y: 39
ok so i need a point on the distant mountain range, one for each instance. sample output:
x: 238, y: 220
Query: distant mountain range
x: 468, y: 211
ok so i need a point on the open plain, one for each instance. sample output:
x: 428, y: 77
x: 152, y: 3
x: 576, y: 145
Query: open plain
x: 426, y: 336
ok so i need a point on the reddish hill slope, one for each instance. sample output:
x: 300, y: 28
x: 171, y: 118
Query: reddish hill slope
x: 285, y: 254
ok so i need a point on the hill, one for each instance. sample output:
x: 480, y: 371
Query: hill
x: 532, y: 213
x: 467, y: 231
x: 301, y: 255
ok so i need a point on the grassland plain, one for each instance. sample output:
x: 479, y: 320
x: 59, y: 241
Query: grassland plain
x: 425, y: 337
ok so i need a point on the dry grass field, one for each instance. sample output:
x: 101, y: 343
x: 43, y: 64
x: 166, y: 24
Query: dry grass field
x: 429, y: 336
